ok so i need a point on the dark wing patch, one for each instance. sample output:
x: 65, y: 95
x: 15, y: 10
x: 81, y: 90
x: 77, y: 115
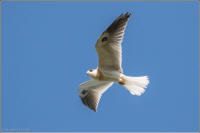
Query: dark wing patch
x: 104, y: 39
x: 84, y: 92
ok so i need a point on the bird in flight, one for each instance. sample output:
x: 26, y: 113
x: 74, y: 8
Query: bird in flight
x: 109, y: 70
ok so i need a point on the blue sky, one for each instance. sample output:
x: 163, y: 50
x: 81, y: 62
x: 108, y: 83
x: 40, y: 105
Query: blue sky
x: 48, y: 46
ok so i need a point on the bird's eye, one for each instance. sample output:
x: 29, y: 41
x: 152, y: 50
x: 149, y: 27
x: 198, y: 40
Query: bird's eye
x: 104, y: 39
x: 90, y: 70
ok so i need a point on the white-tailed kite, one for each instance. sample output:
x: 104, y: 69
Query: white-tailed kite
x: 109, y: 70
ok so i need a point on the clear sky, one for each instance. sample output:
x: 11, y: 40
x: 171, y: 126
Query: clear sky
x: 48, y: 46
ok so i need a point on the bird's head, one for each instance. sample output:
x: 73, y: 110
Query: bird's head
x: 92, y: 73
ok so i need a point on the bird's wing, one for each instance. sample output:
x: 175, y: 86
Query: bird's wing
x: 108, y: 46
x: 90, y: 92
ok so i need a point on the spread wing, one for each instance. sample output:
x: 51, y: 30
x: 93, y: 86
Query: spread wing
x: 90, y: 92
x: 108, y: 46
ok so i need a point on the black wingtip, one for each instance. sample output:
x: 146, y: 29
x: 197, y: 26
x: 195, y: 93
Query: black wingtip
x: 119, y: 22
x: 127, y: 14
x: 94, y: 110
x: 89, y: 105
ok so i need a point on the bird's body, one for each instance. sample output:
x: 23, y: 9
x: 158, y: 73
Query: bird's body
x: 104, y: 75
x: 109, y: 69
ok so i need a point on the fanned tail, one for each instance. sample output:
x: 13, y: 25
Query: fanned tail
x: 135, y: 85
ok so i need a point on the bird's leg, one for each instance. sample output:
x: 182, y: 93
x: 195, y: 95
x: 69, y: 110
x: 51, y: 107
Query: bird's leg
x: 121, y: 81
x: 99, y: 75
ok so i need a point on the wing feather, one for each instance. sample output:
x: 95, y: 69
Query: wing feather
x: 91, y: 91
x: 109, y: 50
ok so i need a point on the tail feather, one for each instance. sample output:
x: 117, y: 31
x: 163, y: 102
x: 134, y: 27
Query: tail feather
x: 136, y: 85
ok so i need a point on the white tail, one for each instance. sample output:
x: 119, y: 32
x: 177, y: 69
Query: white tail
x: 135, y: 85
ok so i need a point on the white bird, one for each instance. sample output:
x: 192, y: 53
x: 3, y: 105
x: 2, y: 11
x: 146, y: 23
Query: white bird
x: 109, y: 70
